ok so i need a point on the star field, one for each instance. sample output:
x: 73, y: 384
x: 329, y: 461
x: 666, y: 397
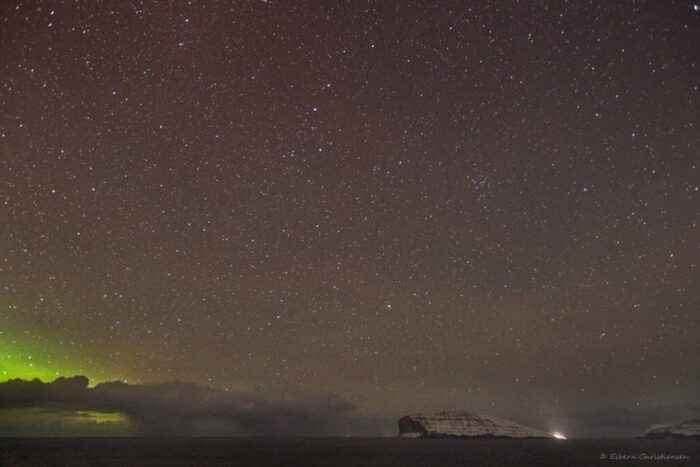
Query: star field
x: 415, y: 205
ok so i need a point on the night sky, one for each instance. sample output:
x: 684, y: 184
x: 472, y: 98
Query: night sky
x: 417, y: 206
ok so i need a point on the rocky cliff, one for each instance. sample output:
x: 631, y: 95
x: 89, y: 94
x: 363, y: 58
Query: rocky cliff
x: 688, y: 429
x: 464, y: 425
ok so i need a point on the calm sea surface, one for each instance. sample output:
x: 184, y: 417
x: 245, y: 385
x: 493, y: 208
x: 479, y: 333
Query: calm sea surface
x: 345, y: 452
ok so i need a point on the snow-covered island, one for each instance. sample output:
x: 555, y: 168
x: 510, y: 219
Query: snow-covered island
x: 464, y: 425
x: 687, y: 429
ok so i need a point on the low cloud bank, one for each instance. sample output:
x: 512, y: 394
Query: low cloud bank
x: 69, y: 407
x: 187, y: 409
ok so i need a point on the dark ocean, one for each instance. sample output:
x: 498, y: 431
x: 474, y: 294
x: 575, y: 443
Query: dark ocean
x: 345, y: 452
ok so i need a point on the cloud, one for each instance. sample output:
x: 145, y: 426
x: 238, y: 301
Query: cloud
x: 69, y: 407
x: 187, y: 409
x: 40, y: 422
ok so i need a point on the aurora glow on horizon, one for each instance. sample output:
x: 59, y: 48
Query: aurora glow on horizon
x: 28, y: 356
x: 388, y: 207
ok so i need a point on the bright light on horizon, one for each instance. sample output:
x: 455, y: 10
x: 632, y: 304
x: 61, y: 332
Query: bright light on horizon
x: 558, y: 435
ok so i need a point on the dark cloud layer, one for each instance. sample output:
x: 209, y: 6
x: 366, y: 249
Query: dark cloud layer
x: 64, y: 407
x: 189, y: 409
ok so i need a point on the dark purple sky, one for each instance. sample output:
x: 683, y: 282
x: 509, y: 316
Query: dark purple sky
x: 489, y: 206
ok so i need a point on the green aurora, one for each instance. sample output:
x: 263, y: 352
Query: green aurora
x: 28, y: 355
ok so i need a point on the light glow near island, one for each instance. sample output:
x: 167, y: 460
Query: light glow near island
x: 558, y: 435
